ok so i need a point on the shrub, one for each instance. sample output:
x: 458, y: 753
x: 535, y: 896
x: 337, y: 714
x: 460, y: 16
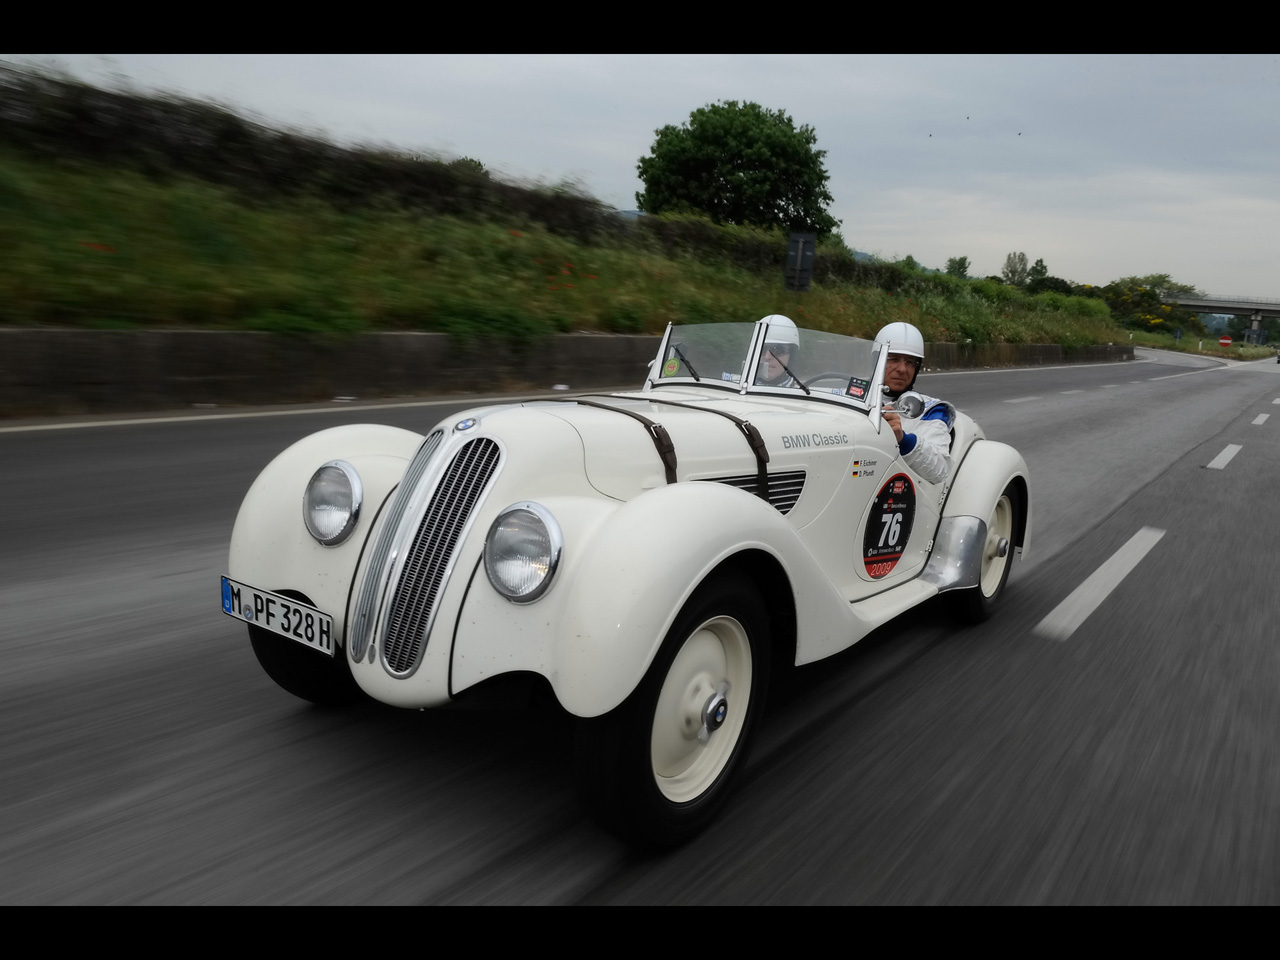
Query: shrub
x: 996, y: 291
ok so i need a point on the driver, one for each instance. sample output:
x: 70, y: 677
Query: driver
x: 925, y: 440
x: 781, y: 350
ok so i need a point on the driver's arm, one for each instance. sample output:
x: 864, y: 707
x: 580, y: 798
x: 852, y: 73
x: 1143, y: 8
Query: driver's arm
x: 925, y: 448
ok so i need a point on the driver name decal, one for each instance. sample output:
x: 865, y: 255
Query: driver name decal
x: 888, y: 526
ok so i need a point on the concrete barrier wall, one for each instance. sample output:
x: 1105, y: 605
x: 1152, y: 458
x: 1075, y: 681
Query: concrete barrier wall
x: 53, y: 372
x: 977, y: 356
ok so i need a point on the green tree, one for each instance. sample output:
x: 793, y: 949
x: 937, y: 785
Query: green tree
x: 1056, y: 284
x: 1137, y: 303
x: 1015, y: 269
x: 1038, y: 272
x: 470, y: 165
x: 958, y: 267
x: 1162, y: 285
x: 740, y: 164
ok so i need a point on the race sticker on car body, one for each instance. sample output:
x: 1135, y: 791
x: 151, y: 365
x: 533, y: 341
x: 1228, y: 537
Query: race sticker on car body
x: 888, y: 526
x: 281, y: 615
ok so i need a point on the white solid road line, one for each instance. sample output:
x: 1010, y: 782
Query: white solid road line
x: 1022, y: 399
x: 476, y: 401
x: 1086, y: 598
x: 1221, y: 460
x: 1261, y: 418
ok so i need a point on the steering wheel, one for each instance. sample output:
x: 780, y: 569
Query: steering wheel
x: 834, y: 375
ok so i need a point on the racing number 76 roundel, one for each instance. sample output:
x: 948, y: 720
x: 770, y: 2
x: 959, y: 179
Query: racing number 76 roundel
x: 888, y: 525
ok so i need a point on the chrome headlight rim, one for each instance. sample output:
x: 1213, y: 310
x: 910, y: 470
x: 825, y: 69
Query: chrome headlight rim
x: 356, y: 490
x: 552, y: 562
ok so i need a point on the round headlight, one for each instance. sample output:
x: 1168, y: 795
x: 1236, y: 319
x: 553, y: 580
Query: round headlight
x: 331, y: 506
x: 522, y: 551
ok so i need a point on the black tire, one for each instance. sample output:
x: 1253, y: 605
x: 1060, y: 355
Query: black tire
x: 642, y: 770
x: 305, y: 673
x: 977, y: 604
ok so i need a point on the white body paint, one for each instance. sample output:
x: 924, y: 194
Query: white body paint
x: 635, y: 546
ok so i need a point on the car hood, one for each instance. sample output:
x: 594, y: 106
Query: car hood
x: 622, y: 461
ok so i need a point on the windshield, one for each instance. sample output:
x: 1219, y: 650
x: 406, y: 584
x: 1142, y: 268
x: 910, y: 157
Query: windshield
x: 825, y: 364
x: 776, y: 358
x: 706, y: 353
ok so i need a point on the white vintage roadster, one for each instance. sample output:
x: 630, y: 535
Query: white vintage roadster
x: 650, y: 556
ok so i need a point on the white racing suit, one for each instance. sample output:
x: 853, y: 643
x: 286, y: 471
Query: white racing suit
x: 926, y: 434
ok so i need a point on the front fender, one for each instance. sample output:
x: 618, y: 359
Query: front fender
x: 596, y: 632
x: 270, y: 545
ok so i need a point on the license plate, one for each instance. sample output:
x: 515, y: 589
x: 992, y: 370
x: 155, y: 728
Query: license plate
x: 281, y: 615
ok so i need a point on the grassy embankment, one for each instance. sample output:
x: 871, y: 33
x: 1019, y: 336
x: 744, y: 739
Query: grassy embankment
x: 1205, y: 346
x: 104, y: 247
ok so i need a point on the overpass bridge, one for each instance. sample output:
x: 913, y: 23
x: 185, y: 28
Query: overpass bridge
x: 1252, y: 307
x: 1240, y: 306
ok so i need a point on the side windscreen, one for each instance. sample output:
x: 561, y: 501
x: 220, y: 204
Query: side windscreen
x: 705, y: 353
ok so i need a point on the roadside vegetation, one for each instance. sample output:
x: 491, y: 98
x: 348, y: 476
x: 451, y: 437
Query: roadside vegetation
x: 119, y: 210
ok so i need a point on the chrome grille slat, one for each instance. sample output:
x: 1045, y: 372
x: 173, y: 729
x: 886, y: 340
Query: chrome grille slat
x: 361, y: 628
x: 784, y: 488
x: 428, y: 557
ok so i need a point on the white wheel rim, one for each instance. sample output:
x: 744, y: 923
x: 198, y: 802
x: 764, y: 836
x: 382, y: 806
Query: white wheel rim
x: 1000, y: 528
x: 716, y: 657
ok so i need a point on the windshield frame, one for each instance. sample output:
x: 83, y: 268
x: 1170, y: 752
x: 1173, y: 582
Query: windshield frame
x: 746, y: 385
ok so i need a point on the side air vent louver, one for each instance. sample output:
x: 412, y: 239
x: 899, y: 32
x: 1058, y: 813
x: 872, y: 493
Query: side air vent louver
x: 427, y: 559
x: 366, y: 608
x: 784, y: 488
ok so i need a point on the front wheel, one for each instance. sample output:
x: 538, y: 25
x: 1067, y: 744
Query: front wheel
x: 305, y: 673
x: 660, y: 767
x: 978, y: 603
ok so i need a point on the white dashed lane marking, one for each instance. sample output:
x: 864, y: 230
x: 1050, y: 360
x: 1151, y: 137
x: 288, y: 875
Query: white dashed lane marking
x: 1022, y: 399
x: 1086, y: 598
x: 1261, y: 418
x: 1222, y: 459
x: 1065, y: 392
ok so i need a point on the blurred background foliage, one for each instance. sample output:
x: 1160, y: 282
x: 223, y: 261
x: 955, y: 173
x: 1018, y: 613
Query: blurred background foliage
x: 127, y: 210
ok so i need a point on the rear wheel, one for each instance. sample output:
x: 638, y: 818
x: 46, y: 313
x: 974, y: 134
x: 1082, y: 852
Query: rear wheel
x: 660, y: 767
x: 978, y: 603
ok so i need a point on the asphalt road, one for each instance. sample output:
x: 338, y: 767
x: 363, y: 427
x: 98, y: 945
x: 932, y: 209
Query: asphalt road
x: 1085, y: 746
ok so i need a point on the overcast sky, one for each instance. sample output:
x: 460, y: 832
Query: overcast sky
x: 1104, y: 166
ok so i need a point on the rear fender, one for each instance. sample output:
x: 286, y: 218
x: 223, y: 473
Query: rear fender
x: 987, y: 470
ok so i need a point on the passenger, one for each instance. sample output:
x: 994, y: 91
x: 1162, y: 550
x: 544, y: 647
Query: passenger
x: 781, y: 349
x: 927, y: 442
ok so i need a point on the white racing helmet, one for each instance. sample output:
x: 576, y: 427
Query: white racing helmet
x: 783, y: 337
x: 782, y: 330
x: 902, y: 337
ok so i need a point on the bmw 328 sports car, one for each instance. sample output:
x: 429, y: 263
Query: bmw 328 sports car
x: 649, y: 557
